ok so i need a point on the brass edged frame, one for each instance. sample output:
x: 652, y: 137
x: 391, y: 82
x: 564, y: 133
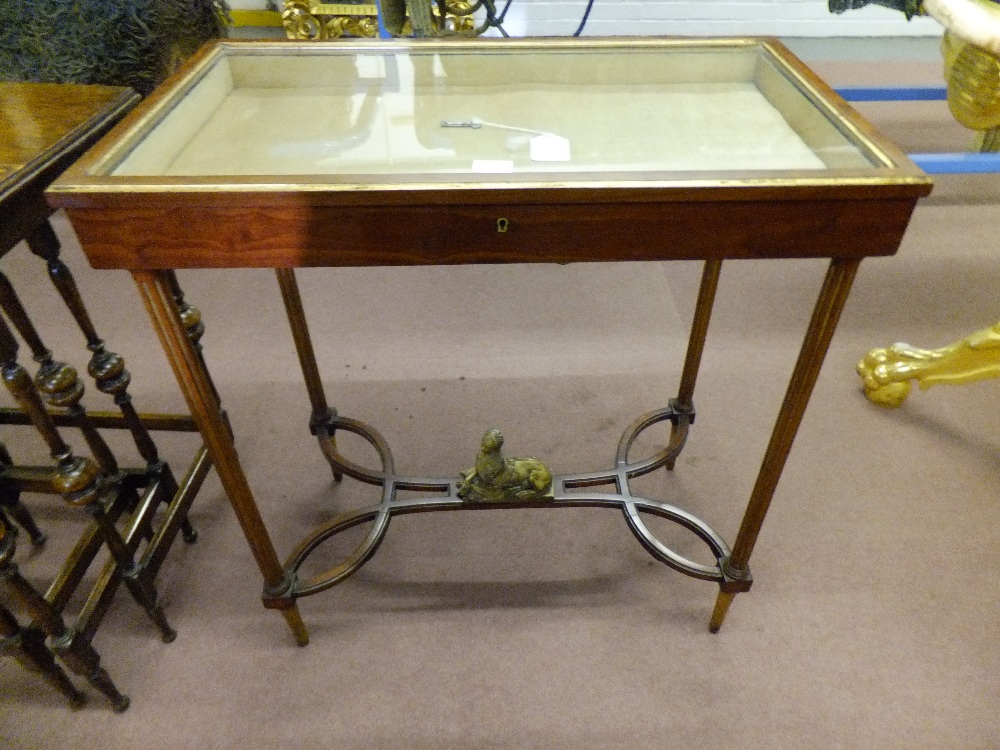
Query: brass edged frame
x: 93, y: 173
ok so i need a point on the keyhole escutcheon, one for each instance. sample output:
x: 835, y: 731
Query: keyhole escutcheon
x: 503, y: 225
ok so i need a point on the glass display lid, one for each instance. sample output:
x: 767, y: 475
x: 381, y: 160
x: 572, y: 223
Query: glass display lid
x: 398, y: 152
x: 561, y: 111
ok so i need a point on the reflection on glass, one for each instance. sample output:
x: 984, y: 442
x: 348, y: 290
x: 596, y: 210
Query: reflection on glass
x: 633, y: 112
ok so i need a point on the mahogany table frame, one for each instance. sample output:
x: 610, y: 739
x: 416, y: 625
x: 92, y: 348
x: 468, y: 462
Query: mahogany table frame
x: 841, y: 214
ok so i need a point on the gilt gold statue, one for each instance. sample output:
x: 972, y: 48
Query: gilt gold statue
x: 887, y: 372
x: 319, y: 19
x: 971, y: 52
x: 497, y: 479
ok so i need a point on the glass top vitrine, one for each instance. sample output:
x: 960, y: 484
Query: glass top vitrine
x: 666, y: 136
x: 464, y: 113
x: 640, y: 110
x: 377, y: 153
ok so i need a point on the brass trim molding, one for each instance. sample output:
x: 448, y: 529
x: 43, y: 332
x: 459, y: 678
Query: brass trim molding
x: 259, y: 18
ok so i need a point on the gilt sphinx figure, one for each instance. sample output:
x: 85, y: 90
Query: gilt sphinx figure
x: 497, y: 479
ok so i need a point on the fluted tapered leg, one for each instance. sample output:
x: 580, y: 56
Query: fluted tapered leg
x: 156, y: 288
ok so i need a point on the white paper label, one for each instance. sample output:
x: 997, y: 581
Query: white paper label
x: 549, y: 147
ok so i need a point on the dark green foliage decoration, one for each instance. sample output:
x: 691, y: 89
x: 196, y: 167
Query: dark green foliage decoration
x: 133, y: 43
x: 909, y: 8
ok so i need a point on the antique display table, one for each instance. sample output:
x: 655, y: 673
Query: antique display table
x: 486, y: 151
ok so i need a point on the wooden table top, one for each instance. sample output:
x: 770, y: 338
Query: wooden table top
x: 40, y: 121
x: 44, y: 127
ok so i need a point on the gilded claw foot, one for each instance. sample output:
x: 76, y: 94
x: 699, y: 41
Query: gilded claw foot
x: 887, y: 372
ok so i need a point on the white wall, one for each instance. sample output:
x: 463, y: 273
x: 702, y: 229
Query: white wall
x: 697, y: 17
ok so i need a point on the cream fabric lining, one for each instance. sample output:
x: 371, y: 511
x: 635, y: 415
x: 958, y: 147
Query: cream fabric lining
x: 290, y: 116
x: 306, y: 131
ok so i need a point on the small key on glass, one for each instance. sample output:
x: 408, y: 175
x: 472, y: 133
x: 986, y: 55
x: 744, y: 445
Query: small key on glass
x: 475, y: 124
